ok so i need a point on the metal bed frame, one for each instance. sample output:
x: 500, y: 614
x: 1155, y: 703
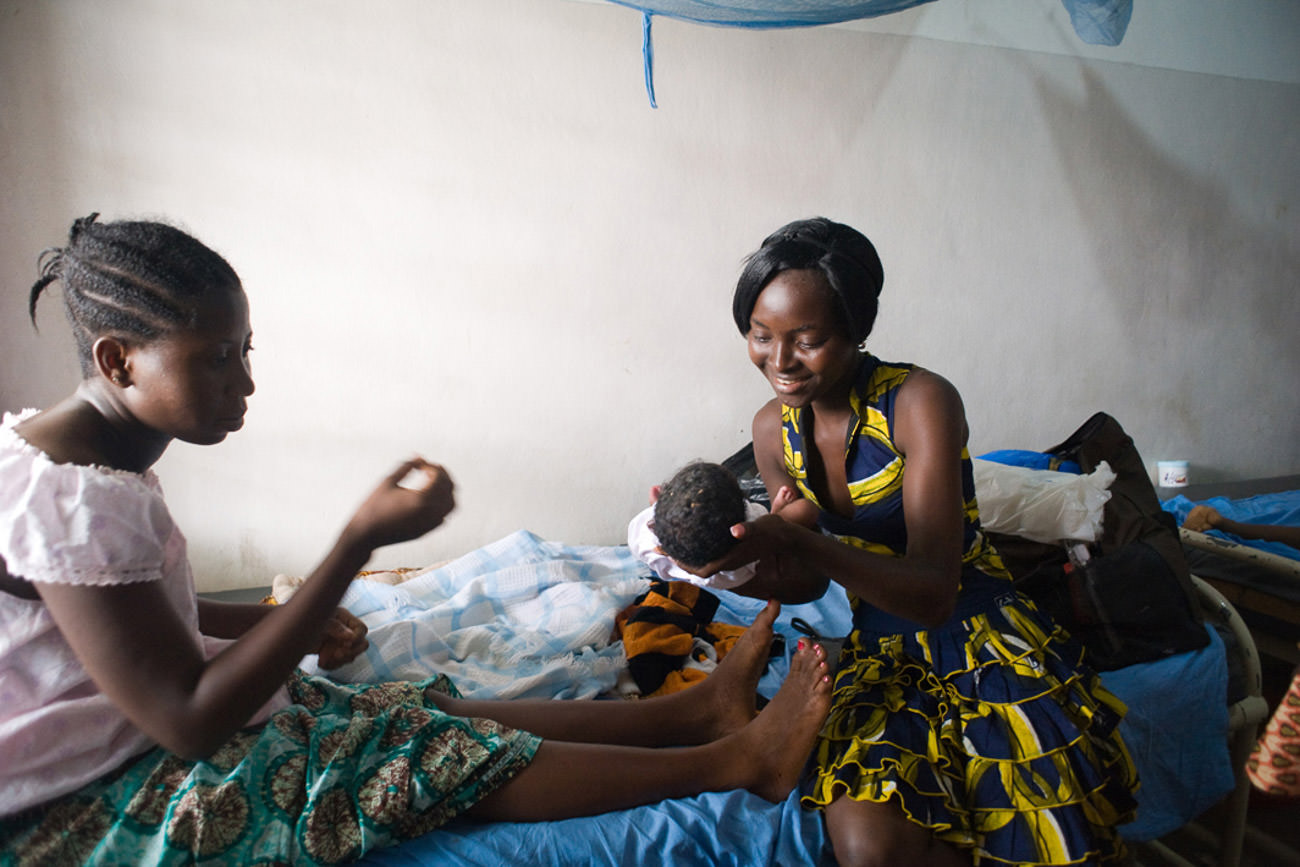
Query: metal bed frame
x: 1246, y: 715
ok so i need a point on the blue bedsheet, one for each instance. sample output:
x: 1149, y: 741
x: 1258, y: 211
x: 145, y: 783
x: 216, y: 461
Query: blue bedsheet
x: 725, y: 828
x: 1176, y: 730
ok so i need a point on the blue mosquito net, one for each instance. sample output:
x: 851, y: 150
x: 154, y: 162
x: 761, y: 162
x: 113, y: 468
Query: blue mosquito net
x: 1096, y: 22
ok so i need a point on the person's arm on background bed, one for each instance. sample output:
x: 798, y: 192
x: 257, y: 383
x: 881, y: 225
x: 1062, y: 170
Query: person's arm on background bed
x: 1204, y: 518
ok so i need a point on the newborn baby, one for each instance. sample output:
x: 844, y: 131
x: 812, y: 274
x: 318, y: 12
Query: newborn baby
x: 689, y: 523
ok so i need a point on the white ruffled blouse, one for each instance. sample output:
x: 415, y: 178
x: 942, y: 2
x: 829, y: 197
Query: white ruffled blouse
x: 73, y: 524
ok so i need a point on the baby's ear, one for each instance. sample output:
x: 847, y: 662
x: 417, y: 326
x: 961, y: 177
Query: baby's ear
x: 655, y: 490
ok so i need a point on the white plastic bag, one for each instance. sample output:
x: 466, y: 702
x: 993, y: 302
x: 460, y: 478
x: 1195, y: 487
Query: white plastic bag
x: 1042, y: 505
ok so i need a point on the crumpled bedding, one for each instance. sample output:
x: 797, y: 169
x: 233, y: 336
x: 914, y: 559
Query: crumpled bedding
x: 519, y: 618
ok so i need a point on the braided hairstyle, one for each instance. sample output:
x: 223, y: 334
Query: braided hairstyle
x: 841, y: 253
x: 129, y: 279
x: 695, y: 512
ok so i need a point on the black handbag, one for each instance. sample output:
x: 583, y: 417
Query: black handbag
x: 1127, y: 597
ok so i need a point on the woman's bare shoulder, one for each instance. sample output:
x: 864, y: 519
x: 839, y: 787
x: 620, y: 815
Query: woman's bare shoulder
x: 768, y: 417
x: 925, y: 386
x: 927, y: 403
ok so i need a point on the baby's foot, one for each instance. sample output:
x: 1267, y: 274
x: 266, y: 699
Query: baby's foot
x: 784, y: 497
x: 780, y: 739
x: 732, y: 688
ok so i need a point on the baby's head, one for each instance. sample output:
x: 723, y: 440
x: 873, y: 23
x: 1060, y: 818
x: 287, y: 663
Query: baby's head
x: 695, y: 512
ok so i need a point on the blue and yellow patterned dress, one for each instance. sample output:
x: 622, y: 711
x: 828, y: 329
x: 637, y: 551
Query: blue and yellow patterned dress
x: 988, y: 729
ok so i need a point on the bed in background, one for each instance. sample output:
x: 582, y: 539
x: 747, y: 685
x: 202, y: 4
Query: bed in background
x: 1261, y: 579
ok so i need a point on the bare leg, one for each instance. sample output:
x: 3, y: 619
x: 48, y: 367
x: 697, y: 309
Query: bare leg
x: 720, y: 704
x: 765, y: 756
x: 867, y: 833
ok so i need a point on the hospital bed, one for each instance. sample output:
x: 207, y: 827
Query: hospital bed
x: 1193, y: 717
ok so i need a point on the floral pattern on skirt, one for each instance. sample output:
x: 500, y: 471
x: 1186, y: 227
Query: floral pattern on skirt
x: 345, y: 769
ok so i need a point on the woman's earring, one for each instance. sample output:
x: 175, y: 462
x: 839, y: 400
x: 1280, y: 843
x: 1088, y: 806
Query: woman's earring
x: 117, y: 377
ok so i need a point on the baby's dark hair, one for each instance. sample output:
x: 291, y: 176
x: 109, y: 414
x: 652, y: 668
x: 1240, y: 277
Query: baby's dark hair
x: 695, y: 512
x: 129, y: 279
x: 844, y: 256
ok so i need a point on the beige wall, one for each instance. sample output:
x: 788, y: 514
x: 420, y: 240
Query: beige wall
x: 464, y: 232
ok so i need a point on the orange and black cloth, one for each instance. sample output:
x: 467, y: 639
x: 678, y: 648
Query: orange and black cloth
x: 670, y: 637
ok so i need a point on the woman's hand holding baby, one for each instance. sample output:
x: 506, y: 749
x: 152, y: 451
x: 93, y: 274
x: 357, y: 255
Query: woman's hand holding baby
x: 771, y: 542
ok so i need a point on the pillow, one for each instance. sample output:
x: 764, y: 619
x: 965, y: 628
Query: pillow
x: 1042, y: 505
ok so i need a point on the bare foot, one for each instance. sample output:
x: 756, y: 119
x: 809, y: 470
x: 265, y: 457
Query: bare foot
x: 732, y: 686
x: 780, y: 739
x: 720, y: 705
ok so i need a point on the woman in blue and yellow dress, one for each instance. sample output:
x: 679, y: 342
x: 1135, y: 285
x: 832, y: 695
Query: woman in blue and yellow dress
x: 965, y: 727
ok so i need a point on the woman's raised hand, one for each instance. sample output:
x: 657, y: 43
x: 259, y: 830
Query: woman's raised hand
x: 409, y: 502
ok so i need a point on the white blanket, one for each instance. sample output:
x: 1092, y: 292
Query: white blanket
x: 521, y: 617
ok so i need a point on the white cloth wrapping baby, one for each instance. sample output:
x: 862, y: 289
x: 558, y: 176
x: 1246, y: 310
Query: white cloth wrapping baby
x: 644, y: 544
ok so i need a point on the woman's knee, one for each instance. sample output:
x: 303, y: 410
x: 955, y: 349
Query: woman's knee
x: 867, y: 834
x: 859, y: 847
x: 855, y: 848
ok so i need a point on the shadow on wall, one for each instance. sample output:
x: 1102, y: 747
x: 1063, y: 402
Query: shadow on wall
x: 39, y: 158
x: 1207, y: 284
